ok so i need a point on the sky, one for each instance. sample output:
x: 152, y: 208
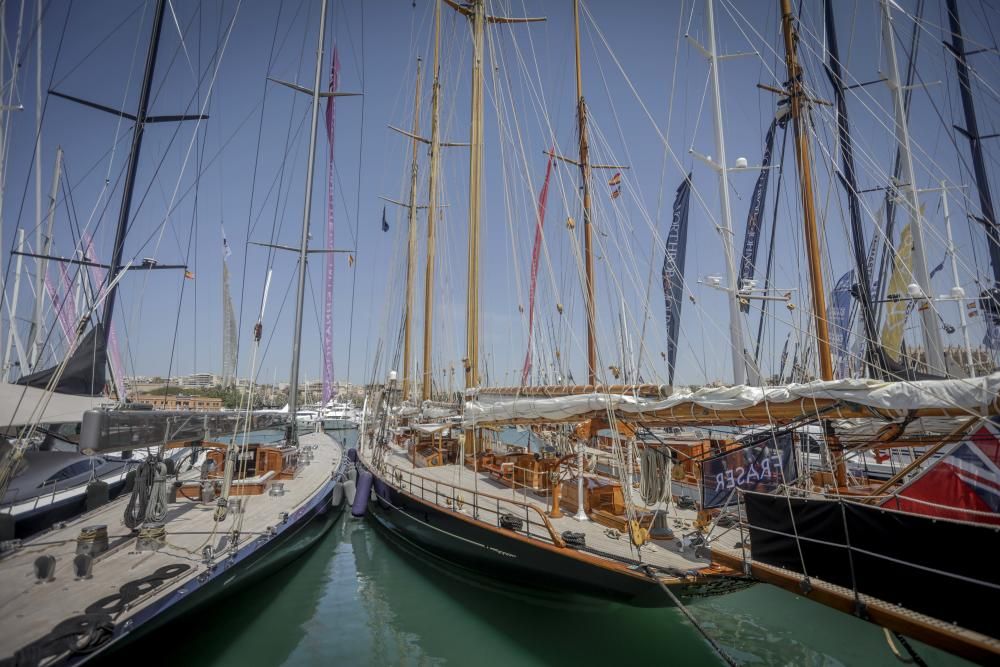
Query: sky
x: 243, y: 170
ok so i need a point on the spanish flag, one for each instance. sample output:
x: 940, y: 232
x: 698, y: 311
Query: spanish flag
x: 616, y: 179
x: 616, y: 193
x: 189, y: 275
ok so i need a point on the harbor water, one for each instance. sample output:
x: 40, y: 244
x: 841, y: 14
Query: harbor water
x: 360, y: 598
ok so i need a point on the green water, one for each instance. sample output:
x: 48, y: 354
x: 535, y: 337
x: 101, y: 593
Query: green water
x: 358, y: 599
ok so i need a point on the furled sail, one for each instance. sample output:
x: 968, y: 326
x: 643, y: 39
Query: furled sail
x: 898, y: 303
x: 535, y: 251
x: 673, y: 272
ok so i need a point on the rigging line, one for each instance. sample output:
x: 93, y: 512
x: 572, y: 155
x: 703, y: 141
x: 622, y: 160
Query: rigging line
x: 277, y: 318
x: 45, y: 105
x: 217, y: 57
x: 357, y: 205
x: 725, y: 657
x: 180, y: 35
x: 649, y: 116
x: 101, y: 42
x: 934, y: 233
x: 34, y: 31
x: 253, y: 177
x: 662, y: 181
x: 283, y: 169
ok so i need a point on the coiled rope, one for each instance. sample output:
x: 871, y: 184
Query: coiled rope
x: 148, y: 501
x: 655, y: 468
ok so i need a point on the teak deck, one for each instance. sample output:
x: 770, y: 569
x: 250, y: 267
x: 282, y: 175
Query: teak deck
x: 31, y: 609
x: 661, y: 553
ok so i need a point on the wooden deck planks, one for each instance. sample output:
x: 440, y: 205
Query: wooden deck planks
x: 30, y: 610
x: 661, y: 553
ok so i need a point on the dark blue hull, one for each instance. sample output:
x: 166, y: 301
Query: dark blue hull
x: 529, y: 564
x: 251, y: 563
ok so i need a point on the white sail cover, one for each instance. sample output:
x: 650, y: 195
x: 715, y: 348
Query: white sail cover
x: 973, y: 394
x: 18, y: 403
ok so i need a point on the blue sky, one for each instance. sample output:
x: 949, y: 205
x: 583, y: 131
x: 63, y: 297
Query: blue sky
x: 644, y: 83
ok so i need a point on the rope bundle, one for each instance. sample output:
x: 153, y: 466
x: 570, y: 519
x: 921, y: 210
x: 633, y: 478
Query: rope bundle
x: 148, y: 501
x: 655, y: 467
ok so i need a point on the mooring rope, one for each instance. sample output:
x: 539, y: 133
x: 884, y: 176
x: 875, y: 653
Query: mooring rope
x: 729, y: 660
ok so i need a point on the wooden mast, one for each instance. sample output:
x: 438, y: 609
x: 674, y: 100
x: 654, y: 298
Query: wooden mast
x: 435, y: 151
x: 478, y: 15
x: 588, y: 247
x: 798, y: 101
x: 476, y: 12
x: 411, y: 246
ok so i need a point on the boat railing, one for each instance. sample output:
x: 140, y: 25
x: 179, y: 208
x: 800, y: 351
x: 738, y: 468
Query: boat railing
x: 451, y: 496
x: 49, y: 496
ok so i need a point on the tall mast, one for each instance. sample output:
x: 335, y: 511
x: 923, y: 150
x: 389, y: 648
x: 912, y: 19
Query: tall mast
x: 797, y: 98
x: 971, y: 132
x: 293, y: 380
x: 35, y: 333
x: 478, y: 15
x: 588, y: 241
x: 928, y: 315
x: 957, y: 292
x: 411, y: 246
x: 741, y: 359
x: 130, y: 173
x: 876, y: 361
x: 44, y: 250
x: 425, y: 393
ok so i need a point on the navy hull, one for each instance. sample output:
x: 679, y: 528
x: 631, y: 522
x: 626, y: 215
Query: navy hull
x: 251, y: 563
x: 527, y: 563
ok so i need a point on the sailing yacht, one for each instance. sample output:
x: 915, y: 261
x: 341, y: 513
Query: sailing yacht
x: 251, y: 493
x: 599, y: 499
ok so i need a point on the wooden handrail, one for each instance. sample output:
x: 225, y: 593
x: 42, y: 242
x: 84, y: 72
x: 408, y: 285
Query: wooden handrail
x: 556, y: 537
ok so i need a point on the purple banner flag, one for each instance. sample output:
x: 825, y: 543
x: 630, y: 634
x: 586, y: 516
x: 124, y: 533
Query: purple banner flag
x: 97, y: 275
x: 70, y: 305
x: 328, y: 282
x: 65, y: 323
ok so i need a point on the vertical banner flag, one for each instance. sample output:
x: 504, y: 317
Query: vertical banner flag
x: 752, y: 239
x: 838, y: 314
x: 385, y: 222
x: 70, y: 305
x: 535, y: 250
x: 673, y: 272
x: 328, y: 278
x: 898, y: 304
x: 230, y: 335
